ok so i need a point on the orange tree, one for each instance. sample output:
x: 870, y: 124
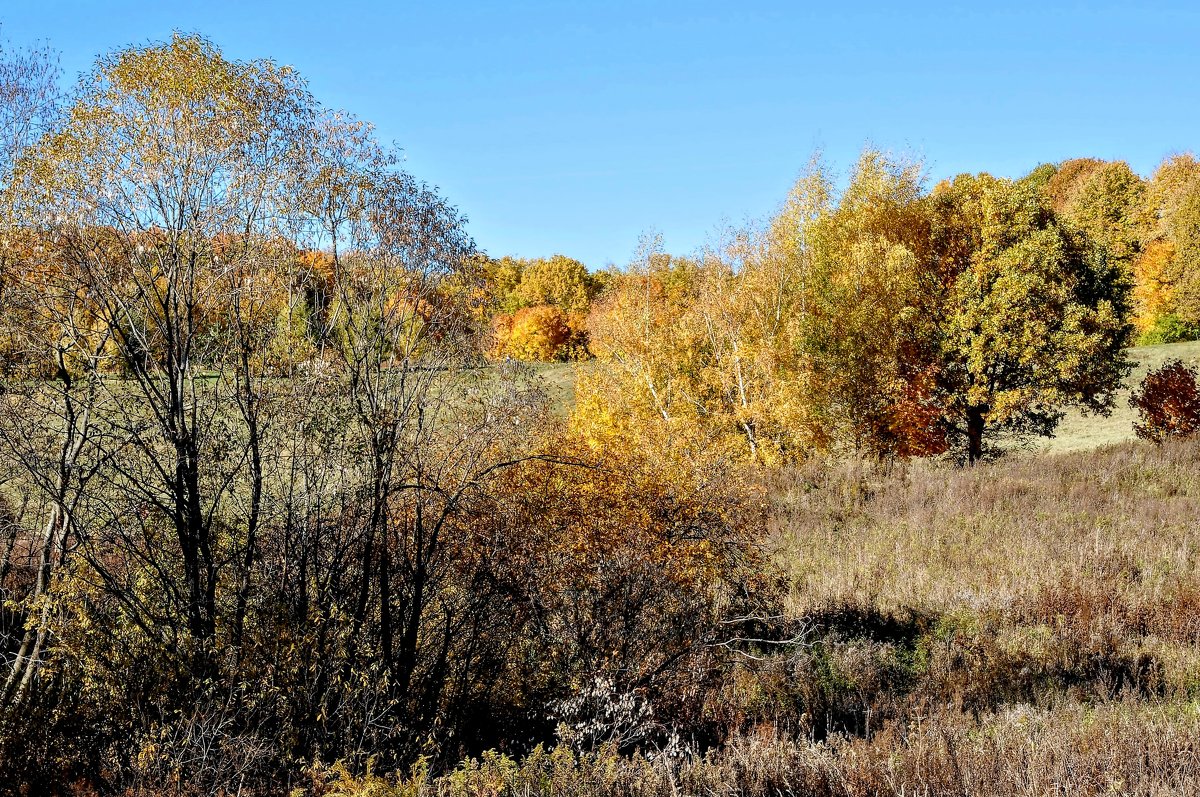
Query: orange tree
x: 540, y: 307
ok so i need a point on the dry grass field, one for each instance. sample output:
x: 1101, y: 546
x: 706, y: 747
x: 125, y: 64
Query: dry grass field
x: 1029, y: 626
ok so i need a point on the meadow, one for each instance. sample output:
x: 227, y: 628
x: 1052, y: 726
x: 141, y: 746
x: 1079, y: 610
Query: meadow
x: 1079, y: 432
x: 1024, y: 627
x: 1027, y: 626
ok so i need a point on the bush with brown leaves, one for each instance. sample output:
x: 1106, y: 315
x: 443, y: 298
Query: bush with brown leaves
x: 1168, y: 403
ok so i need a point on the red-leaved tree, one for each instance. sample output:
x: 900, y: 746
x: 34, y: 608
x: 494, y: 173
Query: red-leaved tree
x: 1168, y: 403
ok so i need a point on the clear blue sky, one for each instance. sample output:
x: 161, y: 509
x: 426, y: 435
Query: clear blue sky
x: 573, y: 127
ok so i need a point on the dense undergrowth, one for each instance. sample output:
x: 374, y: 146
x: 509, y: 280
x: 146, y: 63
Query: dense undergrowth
x: 1027, y: 627
x: 1118, y: 748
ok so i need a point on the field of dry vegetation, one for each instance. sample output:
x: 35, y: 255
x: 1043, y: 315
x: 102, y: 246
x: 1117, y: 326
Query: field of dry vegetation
x: 1023, y: 627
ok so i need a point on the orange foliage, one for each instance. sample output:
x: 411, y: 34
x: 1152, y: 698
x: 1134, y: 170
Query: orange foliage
x: 1155, y: 278
x: 1063, y: 187
x: 538, y: 334
x: 915, y: 426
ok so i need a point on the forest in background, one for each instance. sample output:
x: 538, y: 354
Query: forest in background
x: 284, y: 507
x: 887, y: 318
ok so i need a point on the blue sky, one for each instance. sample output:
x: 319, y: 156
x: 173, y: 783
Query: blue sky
x: 575, y: 127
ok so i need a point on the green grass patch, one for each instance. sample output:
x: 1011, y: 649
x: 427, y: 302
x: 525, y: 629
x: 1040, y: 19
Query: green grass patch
x: 1079, y: 432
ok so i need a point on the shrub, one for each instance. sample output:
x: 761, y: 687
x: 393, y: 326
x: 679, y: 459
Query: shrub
x: 1168, y: 403
x: 1169, y: 328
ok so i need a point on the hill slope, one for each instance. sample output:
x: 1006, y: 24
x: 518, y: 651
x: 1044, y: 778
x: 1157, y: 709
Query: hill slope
x: 1078, y: 432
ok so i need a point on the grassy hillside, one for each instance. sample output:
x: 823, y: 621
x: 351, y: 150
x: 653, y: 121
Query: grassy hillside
x: 1030, y: 626
x: 559, y: 379
x: 1078, y: 432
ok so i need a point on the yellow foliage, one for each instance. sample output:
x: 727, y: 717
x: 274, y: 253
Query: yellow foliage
x: 697, y: 359
x: 558, y: 281
x: 1155, y: 277
x: 533, y: 334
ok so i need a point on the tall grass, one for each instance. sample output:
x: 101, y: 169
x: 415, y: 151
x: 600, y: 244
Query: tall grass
x: 944, y: 539
x: 1078, y: 751
x: 1028, y: 627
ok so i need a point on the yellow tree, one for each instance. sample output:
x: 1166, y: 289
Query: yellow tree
x: 1106, y: 202
x: 540, y: 333
x: 1156, y: 276
x: 1035, y: 320
x: 558, y: 281
x: 812, y: 333
x: 871, y: 304
x: 701, y: 353
x: 1167, y: 288
x: 544, y: 303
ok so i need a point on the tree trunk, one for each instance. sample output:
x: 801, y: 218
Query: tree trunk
x: 29, y: 655
x: 975, y: 425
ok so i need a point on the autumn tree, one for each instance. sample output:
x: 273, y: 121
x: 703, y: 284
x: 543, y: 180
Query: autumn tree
x: 164, y: 182
x: 1165, y: 289
x: 942, y: 319
x: 633, y: 566
x: 540, y: 307
x: 535, y: 334
x: 886, y: 320
x: 1036, y: 318
x: 652, y: 385
x: 29, y: 100
x: 172, y: 215
x: 207, y: 506
x: 698, y: 354
x: 872, y: 301
x: 559, y: 281
x: 1168, y: 403
x: 1106, y: 203
x: 1063, y: 182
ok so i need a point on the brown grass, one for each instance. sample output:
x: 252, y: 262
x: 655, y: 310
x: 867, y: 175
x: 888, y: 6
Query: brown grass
x: 1119, y: 749
x: 1027, y: 627
x: 944, y: 539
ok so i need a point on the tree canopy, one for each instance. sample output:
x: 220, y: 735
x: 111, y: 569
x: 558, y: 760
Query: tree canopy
x: 891, y: 320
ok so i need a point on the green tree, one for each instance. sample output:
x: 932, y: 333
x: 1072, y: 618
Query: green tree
x: 1036, y: 319
x: 558, y: 281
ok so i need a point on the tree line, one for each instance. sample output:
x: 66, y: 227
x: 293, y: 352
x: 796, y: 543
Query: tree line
x: 888, y: 318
